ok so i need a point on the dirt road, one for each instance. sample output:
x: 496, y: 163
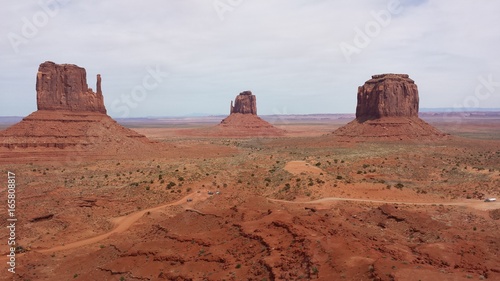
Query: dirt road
x: 480, y: 205
x: 122, y: 224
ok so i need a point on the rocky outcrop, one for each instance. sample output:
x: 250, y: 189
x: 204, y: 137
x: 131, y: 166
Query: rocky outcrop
x: 387, y: 95
x: 64, y: 87
x: 71, y: 121
x: 245, y: 103
x: 387, y: 110
x: 243, y: 120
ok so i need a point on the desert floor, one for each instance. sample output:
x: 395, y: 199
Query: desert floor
x: 297, y: 207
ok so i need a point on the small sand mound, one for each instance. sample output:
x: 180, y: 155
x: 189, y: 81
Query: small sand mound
x: 299, y: 167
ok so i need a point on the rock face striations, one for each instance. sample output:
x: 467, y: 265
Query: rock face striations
x: 243, y: 120
x: 64, y: 87
x: 387, y: 109
x: 245, y: 103
x: 71, y: 119
x: 387, y: 95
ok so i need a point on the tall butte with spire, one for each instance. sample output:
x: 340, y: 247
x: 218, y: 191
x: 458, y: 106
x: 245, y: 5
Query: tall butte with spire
x: 64, y: 87
x: 387, y: 109
x: 71, y: 117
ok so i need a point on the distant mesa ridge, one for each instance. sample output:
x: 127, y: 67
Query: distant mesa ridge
x: 64, y: 87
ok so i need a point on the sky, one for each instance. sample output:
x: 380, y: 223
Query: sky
x: 192, y: 57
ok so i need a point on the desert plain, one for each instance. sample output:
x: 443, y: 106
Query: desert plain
x: 301, y: 206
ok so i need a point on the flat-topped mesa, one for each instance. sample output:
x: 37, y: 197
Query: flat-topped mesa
x: 387, y: 95
x: 245, y: 103
x: 64, y: 87
x: 387, y: 110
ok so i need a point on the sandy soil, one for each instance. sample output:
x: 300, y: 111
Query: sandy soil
x: 296, y: 207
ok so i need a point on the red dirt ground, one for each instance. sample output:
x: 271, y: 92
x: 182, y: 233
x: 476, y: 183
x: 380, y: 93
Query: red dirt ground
x: 298, y: 207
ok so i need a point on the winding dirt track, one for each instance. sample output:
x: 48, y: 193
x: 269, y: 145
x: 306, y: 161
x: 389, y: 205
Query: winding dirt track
x: 121, y: 225
x: 473, y: 204
x: 125, y: 222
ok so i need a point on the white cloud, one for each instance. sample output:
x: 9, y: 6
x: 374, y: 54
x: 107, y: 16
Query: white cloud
x: 286, y: 52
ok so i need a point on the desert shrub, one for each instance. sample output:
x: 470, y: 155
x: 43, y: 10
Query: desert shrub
x: 399, y: 185
x: 314, y: 270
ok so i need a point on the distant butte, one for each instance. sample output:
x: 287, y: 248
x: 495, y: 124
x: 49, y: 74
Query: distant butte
x: 245, y: 103
x: 387, y: 109
x: 243, y: 119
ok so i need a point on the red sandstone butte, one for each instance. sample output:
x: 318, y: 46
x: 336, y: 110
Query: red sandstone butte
x: 245, y: 103
x: 64, y: 87
x: 387, y: 109
x: 387, y: 95
x: 71, y: 119
x: 243, y: 120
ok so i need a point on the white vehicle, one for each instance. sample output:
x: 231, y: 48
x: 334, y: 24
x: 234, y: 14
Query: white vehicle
x: 490, y: 200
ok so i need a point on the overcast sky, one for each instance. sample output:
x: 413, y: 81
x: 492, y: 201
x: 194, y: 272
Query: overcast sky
x: 175, y: 58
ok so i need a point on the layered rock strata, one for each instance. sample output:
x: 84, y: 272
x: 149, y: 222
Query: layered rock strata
x: 70, y: 119
x: 387, y: 109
